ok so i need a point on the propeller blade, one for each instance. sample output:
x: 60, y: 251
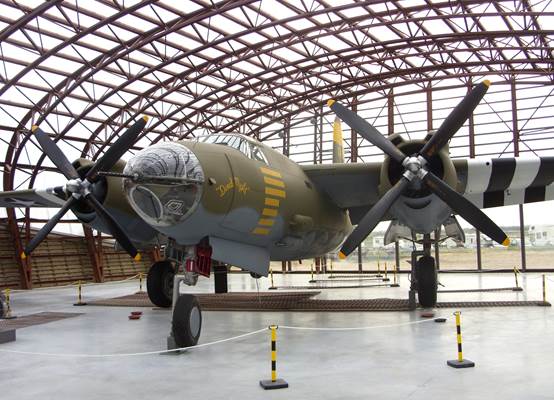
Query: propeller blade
x: 120, y: 147
x: 455, y: 120
x: 47, y: 228
x: 372, y: 135
x: 54, y: 153
x: 115, y: 229
x: 372, y: 218
x: 466, y: 209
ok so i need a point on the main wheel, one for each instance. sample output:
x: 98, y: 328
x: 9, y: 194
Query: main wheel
x: 159, y: 283
x: 426, y: 281
x: 187, y: 321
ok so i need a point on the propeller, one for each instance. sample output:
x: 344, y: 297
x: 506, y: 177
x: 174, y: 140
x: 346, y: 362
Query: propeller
x: 80, y: 189
x: 416, y: 167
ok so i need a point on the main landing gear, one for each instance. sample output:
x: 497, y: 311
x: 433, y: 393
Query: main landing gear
x: 424, y: 276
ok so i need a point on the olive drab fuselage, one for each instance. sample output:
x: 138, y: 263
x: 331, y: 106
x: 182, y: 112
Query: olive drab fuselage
x: 269, y: 204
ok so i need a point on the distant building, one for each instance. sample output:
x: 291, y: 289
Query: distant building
x: 541, y: 235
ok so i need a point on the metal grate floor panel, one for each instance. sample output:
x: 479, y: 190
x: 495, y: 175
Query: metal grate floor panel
x: 34, y: 319
x: 302, y: 301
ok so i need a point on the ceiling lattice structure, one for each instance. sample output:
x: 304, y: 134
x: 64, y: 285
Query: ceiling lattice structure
x: 84, y: 69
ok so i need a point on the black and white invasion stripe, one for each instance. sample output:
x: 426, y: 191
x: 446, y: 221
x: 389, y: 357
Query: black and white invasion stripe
x: 506, y: 181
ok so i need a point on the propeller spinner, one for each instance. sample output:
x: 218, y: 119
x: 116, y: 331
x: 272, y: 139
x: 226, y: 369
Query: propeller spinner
x: 80, y: 189
x: 417, y: 167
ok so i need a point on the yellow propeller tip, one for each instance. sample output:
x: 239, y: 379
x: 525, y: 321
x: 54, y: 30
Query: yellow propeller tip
x: 23, y: 255
x: 145, y: 118
x: 330, y: 102
x: 342, y: 256
x: 34, y: 128
x: 487, y: 83
x: 506, y: 242
x: 138, y: 257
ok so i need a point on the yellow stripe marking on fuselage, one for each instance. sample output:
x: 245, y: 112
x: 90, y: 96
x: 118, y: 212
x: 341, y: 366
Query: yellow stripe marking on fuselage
x: 274, y: 182
x: 266, y: 221
x: 271, y: 202
x: 275, y: 192
x: 269, y: 212
x: 260, y: 231
x: 270, y: 172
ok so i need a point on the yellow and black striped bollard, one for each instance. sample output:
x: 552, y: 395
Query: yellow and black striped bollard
x: 8, y: 312
x: 544, y: 288
x: 273, y: 383
x: 386, y: 277
x: 460, y: 362
x: 516, y: 275
x: 141, y: 277
x: 395, y: 277
x: 272, y: 287
x: 312, y: 273
x: 80, y: 301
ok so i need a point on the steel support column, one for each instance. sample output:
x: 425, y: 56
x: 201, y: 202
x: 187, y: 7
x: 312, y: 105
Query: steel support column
x: 354, y: 136
x: 515, y: 131
x: 95, y: 258
x: 429, y: 106
x: 24, y: 266
x: 471, y: 134
x: 390, y: 112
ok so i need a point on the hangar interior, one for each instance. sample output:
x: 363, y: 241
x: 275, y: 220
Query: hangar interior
x: 84, y: 70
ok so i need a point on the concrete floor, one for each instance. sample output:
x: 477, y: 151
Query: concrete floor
x: 510, y: 346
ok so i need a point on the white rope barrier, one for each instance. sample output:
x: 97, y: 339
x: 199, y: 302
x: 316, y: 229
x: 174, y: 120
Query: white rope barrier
x: 357, y: 328
x: 146, y: 353
x: 212, y: 343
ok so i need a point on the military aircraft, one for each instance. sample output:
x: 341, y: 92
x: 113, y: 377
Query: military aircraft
x: 230, y: 198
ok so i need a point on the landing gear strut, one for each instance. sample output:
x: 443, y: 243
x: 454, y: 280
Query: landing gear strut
x: 424, y: 276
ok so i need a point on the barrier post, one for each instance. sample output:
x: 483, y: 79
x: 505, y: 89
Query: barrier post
x: 386, y: 277
x: 141, y: 275
x: 395, y: 277
x: 312, y: 273
x: 272, y: 287
x: 80, y: 301
x: 378, y: 265
x: 331, y: 268
x: 543, y: 288
x: 461, y: 362
x: 8, y: 313
x: 273, y: 383
x: 516, y: 275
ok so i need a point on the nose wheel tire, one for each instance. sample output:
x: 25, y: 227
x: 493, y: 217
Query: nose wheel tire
x: 159, y: 283
x: 187, y: 321
x: 426, y: 282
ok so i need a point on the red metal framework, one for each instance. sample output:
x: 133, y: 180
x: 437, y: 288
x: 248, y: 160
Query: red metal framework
x: 84, y: 69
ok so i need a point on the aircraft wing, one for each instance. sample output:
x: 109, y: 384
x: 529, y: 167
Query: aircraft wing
x: 350, y: 186
x: 32, y: 198
x: 485, y: 182
x: 506, y: 181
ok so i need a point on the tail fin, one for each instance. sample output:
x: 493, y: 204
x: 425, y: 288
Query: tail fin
x: 338, y: 151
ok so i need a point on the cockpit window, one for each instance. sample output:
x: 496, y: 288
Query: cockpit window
x: 249, y: 149
x: 257, y: 153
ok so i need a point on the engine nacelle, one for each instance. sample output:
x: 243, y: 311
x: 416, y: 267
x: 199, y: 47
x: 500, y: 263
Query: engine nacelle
x: 109, y: 191
x: 418, y: 208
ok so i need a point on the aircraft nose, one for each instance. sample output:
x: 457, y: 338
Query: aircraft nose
x: 166, y: 184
